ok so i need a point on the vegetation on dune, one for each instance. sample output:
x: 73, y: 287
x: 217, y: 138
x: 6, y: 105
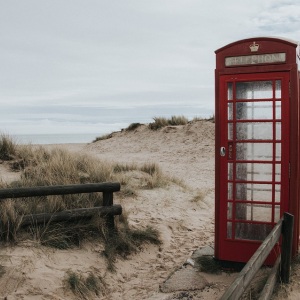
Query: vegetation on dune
x: 159, y: 122
x: 102, y: 137
x: 85, y: 287
x: 7, y: 147
x: 41, y: 167
x: 133, y: 126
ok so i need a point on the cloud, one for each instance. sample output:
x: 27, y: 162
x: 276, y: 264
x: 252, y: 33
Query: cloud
x: 56, y: 55
x: 280, y: 18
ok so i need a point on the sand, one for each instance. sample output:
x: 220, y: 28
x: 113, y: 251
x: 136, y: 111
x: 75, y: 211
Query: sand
x: 185, y: 152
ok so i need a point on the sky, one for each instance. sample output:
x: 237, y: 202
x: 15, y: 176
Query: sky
x: 95, y: 66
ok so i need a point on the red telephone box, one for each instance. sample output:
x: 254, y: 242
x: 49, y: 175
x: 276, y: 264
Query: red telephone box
x: 257, y: 144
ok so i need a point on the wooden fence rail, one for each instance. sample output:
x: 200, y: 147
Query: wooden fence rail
x: 108, y: 210
x: 238, y: 287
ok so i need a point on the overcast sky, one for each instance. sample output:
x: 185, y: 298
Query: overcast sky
x: 82, y: 66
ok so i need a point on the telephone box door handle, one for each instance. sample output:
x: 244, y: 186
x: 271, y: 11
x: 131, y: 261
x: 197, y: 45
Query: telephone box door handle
x: 222, y: 151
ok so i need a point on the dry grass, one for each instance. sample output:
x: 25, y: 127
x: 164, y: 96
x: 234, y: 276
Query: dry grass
x: 41, y: 167
x: 208, y: 264
x: 7, y: 147
x: 127, y: 241
x: 133, y: 126
x: 160, y: 122
x: 85, y: 287
x: 2, y: 271
x: 102, y: 137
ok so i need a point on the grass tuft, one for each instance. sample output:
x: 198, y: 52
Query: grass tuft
x: 102, y: 137
x: 127, y: 241
x: 2, y: 271
x: 133, y: 126
x: 208, y: 264
x: 160, y: 122
x: 85, y: 287
x: 8, y: 147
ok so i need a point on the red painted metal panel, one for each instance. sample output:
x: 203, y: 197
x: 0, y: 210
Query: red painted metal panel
x: 237, y: 233
x: 248, y: 60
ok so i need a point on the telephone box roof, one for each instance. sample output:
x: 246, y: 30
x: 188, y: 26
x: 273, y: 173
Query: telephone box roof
x: 256, y: 39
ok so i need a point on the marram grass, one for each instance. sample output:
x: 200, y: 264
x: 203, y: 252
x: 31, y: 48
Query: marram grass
x: 41, y: 167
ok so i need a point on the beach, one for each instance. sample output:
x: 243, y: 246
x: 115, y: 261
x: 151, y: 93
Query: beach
x: 182, y: 212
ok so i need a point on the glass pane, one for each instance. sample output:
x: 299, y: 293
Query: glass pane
x: 254, y: 110
x: 278, y: 89
x: 256, y: 232
x: 254, y: 90
x: 278, y: 151
x: 241, y: 211
x: 254, y: 192
x: 229, y: 230
x: 229, y: 91
x: 277, y: 192
x: 277, y: 213
x: 277, y: 172
x: 254, y: 151
x: 254, y: 212
x: 230, y: 171
x: 278, y: 110
x: 254, y: 131
x: 230, y: 131
x: 253, y: 172
x: 230, y: 191
x: 229, y: 211
x: 230, y: 111
x: 278, y: 131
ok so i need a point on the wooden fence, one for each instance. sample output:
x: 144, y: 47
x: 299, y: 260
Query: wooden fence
x: 108, y: 210
x: 285, y: 228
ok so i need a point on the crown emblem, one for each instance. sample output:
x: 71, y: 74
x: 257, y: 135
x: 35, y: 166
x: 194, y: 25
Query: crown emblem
x: 254, y: 47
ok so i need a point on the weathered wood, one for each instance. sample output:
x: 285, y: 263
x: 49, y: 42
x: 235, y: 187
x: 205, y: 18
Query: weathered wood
x: 286, y: 247
x: 107, y: 202
x: 72, y: 214
x: 240, y: 284
x: 268, y: 289
x: 107, y: 187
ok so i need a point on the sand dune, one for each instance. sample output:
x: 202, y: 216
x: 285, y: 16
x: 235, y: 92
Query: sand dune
x: 185, y: 152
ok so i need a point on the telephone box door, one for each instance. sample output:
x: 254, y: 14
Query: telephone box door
x: 254, y: 161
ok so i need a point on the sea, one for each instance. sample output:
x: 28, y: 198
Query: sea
x: 43, y: 139
x: 84, y: 125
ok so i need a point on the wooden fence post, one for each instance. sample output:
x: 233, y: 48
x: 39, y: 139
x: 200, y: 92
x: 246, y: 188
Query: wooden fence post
x: 108, y: 200
x: 286, y: 247
x: 239, y: 285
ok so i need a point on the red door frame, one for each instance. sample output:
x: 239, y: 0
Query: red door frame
x: 242, y: 250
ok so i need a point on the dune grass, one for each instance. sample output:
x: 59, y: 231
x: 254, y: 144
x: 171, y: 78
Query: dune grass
x: 85, y: 287
x: 133, y: 126
x: 160, y: 122
x: 8, y: 147
x: 102, y: 137
x: 41, y: 167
